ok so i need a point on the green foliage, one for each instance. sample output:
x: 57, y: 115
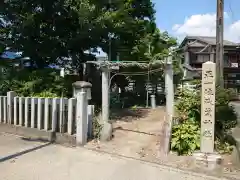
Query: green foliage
x: 45, y: 82
x: 45, y: 94
x: 226, y: 117
x: 48, y: 30
x: 115, y: 100
x: 189, y: 108
x: 97, y: 126
x: 195, y: 82
x: 185, y: 138
x: 153, y: 46
x: 224, y: 96
x: 223, y: 147
x: 188, y: 105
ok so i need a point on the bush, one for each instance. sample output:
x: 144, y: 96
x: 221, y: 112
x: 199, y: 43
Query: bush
x: 185, y: 138
x: 226, y: 118
x: 36, y: 82
x: 97, y: 128
x: 45, y: 94
x: 223, y: 146
x: 115, y: 100
x: 224, y: 96
x: 189, y: 108
x: 188, y: 105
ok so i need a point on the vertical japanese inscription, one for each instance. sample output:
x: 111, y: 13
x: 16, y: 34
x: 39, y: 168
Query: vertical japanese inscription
x: 208, y: 107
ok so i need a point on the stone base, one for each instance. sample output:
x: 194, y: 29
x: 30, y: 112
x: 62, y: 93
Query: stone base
x: 208, y: 161
x: 107, y: 132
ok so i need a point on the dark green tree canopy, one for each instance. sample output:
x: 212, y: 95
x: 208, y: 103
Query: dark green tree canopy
x: 48, y: 30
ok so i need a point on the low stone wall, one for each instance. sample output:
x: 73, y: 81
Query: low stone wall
x: 41, y: 135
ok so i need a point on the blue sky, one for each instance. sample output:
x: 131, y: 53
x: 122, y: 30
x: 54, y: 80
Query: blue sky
x: 196, y: 17
x: 170, y: 12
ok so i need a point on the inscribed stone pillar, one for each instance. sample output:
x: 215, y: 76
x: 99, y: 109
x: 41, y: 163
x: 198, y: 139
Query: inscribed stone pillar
x: 208, y: 107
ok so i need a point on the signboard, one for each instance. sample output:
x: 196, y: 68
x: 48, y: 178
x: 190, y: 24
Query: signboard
x: 235, y: 65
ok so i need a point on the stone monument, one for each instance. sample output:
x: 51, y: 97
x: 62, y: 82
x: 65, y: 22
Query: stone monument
x: 207, y: 156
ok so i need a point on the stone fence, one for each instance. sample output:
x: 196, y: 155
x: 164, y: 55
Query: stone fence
x: 53, y: 119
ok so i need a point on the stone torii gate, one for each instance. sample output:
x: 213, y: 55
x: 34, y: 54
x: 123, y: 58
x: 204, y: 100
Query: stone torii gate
x: 106, y: 67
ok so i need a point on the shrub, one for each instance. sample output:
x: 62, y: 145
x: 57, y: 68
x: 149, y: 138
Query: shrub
x: 188, y: 108
x: 115, y: 100
x: 45, y: 94
x: 224, y: 96
x: 226, y: 118
x: 97, y: 128
x: 185, y: 138
x: 223, y: 146
x: 188, y: 105
x: 35, y: 82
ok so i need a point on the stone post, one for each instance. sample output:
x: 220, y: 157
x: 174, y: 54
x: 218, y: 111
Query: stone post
x: 10, y: 97
x: 207, y: 155
x: 83, y: 86
x: 106, y: 133
x: 105, y: 94
x: 169, y: 88
x: 153, y: 101
x: 81, y: 120
x: 208, y: 107
x: 169, y: 91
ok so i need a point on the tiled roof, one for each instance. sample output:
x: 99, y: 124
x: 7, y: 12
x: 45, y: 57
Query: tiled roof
x: 211, y: 40
x: 208, y: 39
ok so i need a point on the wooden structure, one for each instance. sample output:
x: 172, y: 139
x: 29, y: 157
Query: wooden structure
x: 200, y: 49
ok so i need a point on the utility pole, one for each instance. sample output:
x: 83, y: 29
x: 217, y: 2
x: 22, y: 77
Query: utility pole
x: 106, y: 132
x: 219, y: 43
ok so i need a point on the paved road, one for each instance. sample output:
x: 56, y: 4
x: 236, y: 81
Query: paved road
x: 29, y: 160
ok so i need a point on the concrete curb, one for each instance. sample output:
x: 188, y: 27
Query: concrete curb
x: 41, y: 135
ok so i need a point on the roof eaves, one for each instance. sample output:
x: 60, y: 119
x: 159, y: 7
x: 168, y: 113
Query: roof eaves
x: 195, y: 38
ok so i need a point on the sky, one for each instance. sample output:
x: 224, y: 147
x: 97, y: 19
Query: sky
x: 197, y: 17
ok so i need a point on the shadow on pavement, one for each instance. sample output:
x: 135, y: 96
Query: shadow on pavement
x: 2, y: 159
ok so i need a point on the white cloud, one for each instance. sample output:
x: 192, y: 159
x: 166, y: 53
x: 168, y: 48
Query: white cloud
x: 205, y: 25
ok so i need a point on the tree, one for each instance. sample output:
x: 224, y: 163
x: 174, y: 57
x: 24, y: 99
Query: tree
x: 154, y: 46
x: 47, y: 31
x: 2, y: 37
